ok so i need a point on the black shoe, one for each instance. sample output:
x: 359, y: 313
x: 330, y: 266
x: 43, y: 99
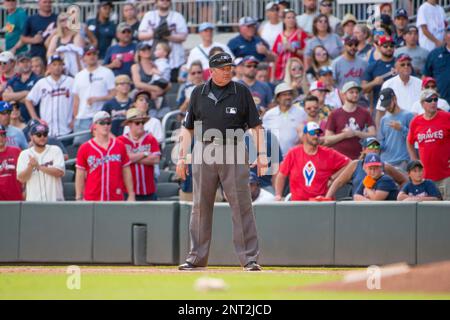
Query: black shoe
x: 188, y: 266
x: 252, y: 266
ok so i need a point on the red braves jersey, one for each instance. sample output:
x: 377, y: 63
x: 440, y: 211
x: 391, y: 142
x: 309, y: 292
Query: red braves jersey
x: 10, y: 188
x: 143, y: 175
x: 433, y: 137
x: 104, y: 178
x: 309, y: 174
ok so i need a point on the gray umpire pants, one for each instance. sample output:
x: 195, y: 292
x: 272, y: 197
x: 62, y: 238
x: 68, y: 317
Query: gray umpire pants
x: 234, y: 179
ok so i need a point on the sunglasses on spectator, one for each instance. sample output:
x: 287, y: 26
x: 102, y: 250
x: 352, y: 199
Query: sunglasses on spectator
x: 431, y: 86
x: 374, y: 147
x: 352, y: 44
x: 126, y: 31
x: 40, y: 135
x: 315, y: 132
x: 104, y: 123
x: 196, y: 72
x: 5, y: 112
x: 322, y: 21
x: 138, y: 123
x: 378, y: 33
x: 405, y: 64
x: 430, y: 100
x: 250, y: 66
x: 326, y: 4
x: 4, y: 63
x: 388, y: 45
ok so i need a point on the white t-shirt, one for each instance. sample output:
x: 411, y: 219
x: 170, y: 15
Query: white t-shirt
x: 177, y: 24
x: 201, y: 53
x: 264, y: 196
x: 56, y: 103
x: 434, y: 18
x: 97, y: 85
x: 164, y: 68
x: 152, y: 126
x: 442, y: 104
x: 270, y: 32
x: 305, y: 21
x: 406, y: 94
x: 42, y: 186
x: 284, y: 125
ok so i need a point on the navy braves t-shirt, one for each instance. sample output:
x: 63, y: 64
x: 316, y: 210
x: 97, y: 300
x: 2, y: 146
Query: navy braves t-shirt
x: 118, y: 111
x: 17, y: 85
x: 425, y: 189
x: 124, y: 54
x: 104, y: 32
x: 376, y: 69
x: 384, y: 183
x: 35, y: 24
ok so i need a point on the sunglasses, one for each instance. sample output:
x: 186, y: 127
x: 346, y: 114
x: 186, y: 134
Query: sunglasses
x: 378, y: 33
x: 352, y: 44
x: 126, y: 31
x: 387, y: 46
x: 316, y: 132
x: 405, y: 64
x: 431, y: 87
x: 250, y: 66
x: 91, y: 53
x: 374, y: 147
x: 430, y: 100
x: 139, y: 123
x: 104, y: 123
x: 5, y: 112
x: 322, y: 21
x: 4, y: 63
x: 196, y: 72
x: 326, y: 4
x: 40, y: 135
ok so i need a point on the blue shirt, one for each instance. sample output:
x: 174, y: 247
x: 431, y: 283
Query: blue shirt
x: 393, y: 146
x: 261, y: 93
x: 384, y: 183
x: 16, y: 138
x: 35, y: 24
x: 117, y: 110
x: 375, y: 69
x: 426, y: 188
x: 17, y: 85
x: 241, y: 47
x: 438, y: 67
x: 104, y: 32
x: 124, y: 54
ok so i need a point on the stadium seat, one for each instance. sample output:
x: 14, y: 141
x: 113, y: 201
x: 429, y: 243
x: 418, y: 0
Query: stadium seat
x: 69, y: 176
x: 69, y: 191
x: 171, y: 100
x: 167, y: 191
x: 165, y: 176
x: 344, y: 193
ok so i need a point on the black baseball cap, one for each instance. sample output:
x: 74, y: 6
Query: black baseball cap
x: 414, y: 164
x: 386, y: 96
x: 143, y: 45
x: 55, y: 57
x: 220, y: 60
x: 369, y: 141
x: 38, y: 128
x: 401, y: 13
x: 410, y: 27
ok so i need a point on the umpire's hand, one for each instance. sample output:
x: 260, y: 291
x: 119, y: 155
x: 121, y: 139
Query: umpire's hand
x: 262, y: 165
x: 182, y: 169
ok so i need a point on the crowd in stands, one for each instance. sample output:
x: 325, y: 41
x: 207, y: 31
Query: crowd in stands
x: 356, y: 111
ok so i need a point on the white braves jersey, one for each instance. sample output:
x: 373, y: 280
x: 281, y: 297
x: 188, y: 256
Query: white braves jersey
x: 56, y: 103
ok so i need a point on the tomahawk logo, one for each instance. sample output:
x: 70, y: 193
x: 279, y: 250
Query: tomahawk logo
x: 309, y: 172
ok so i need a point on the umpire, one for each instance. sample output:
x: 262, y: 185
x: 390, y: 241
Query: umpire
x: 217, y: 108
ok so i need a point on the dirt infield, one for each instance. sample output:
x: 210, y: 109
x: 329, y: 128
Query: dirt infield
x: 433, y: 277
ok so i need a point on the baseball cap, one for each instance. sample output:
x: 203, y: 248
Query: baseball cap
x: 101, y: 115
x: 5, y: 106
x: 386, y: 96
x: 410, y: 27
x: 53, y: 58
x: 205, y: 26
x: 271, y: 5
x: 427, y: 80
x: 2, y: 129
x: 134, y: 114
x: 427, y: 93
x: 7, y: 56
x: 23, y: 56
x: 385, y: 39
x: 372, y: 159
x: 238, y: 61
x: 220, y: 60
x: 350, y: 39
x: 89, y: 49
x: 414, y: 164
x: 350, y: 85
x: 247, y: 21
x: 282, y: 87
x: 325, y: 70
x: 143, y: 45
x: 123, y: 26
x: 312, y: 128
x: 401, y: 13
x: 253, y: 178
x: 38, y: 128
x: 348, y: 18
x: 318, y: 85
x: 403, y: 57
x: 369, y: 141
x: 250, y: 59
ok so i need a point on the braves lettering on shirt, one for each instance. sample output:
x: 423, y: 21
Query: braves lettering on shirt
x: 430, y: 136
x: 354, y: 73
x: 65, y: 92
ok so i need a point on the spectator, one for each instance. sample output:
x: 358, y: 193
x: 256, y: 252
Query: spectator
x: 14, y: 136
x: 41, y: 168
x: 310, y: 166
x: 319, y: 58
x: 294, y: 77
x: 238, y: 71
x: 259, y: 195
x: 418, y: 188
x: 431, y: 131
x: 69, y: 44
x: 312, y: 109
x: 348, y: 25
x: 16, y: 119
x: 380, y: 70
x: 348, y: 67
x: 161, y: 76
x: 418, y: 55
x: 15, y: 24
x: 92, y: 87
x: 55, y: 95
x: 323, y: 36
x: 261, y: 93
x: 120, y: 57
x: 320, y: 90
x: 332, y: 97
x: 20, y: 85
x: 263, y: 75
x: 143, y: 151
x: 374, y: 54
x: 201, y: 52
x: 400, y: 22
x: 10, y: 188
x: 38, y: 66
x: 7, y: 69
x: 406, y: 87
x: 129, y: 16
x: 153, y: 125
x: 102, y: 27
x: 354, y: 173
x: 247, y: 43
x: 326, y: 8
x: 376, y: 186
x: 288, y: 44
x: 38, y: 29
x: 117, y: 107
x: 431, y: 23
x: 437, y: 66
x: 195, y: 79
x: 103, y: 167
x: 305, y: 21
x: 282, y: 5
x: 429, y: 83
x: 273, y: 26
x: 284, y: 119
x: 347, y: 125
x: 362, y: 33
x: 164, y: 24
x: 386, y: 9
x: 393, y: 130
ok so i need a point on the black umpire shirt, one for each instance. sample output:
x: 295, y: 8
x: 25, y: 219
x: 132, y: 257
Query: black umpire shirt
x: 233, y: 109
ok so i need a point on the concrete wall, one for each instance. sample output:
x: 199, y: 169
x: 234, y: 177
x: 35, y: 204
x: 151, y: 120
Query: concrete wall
x: 295, y: 233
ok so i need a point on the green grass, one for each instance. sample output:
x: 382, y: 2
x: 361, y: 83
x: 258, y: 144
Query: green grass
x: 180, y: 286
